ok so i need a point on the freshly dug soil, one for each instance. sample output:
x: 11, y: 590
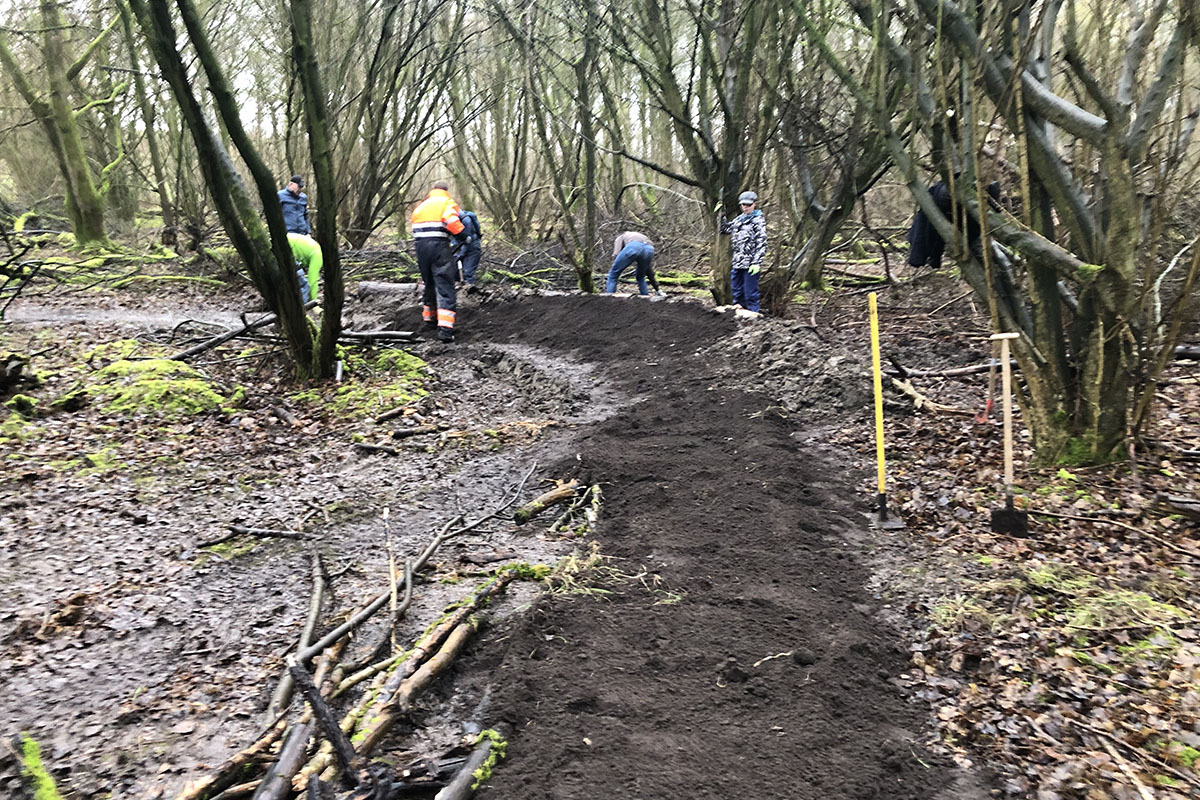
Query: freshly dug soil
x: 723, y: 645
x: 735, y: 652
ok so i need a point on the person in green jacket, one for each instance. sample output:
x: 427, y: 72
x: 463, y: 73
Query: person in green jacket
x: 309, y: 260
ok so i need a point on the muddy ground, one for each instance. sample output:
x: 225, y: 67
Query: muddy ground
x: 734, y: 635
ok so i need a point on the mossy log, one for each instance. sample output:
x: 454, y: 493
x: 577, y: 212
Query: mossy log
x: 561, y: 493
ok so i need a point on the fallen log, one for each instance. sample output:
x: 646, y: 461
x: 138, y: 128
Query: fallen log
x: 561, y: 493
x: 375, y: 288
x: 1186, y: 506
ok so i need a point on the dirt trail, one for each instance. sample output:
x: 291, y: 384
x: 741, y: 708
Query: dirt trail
x: 746, y: 547
x: 731, y: 538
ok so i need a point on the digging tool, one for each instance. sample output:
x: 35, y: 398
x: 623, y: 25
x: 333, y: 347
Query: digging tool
x: 1008, y: 520
x: 880, y: 518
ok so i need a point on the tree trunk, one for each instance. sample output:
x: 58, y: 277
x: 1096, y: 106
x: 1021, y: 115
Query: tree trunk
x: 305, y: 57
x: 165, y: 204
x: 85, y: 205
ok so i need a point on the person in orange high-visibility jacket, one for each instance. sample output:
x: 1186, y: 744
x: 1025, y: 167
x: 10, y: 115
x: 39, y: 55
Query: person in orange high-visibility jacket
x: 436, y: 226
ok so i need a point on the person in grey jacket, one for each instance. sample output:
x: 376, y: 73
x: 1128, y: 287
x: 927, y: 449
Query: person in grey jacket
x: 748, y: 232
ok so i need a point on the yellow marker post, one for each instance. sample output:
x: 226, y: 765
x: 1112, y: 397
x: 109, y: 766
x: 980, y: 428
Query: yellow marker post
x: 881, y: 520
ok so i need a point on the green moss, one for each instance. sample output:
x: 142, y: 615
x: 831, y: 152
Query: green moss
x: 401, y: 362
x: 1187, y: 755
x: 499, y: 750
x: 35, y: 770
x: 532, y: 572
x: 365, y: 399
x: 23, y: 404
x: 158, y: 386
x: 16, y: 428
x: 113, y: 351
x: 1088, y: 272
x: 74, y: 399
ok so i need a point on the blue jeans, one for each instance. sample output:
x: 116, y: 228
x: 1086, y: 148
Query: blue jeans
x: 640, y: 252
x: 470, y: 263
x: 745, y: 288
x: 304, y: 290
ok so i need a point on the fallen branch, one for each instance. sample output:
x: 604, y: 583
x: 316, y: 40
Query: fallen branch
x: 379, y: 726
x: 373, y: 288
x: 348, y: 761
x: 230, y: 772
x: 920, y: 401
x: 382, y: 336
x: 1140, y: 531
x: 242, y: 530
x: 278, y: 780
x: 1136, y: 750
x: 220, y: 339
x: 561, y: 493
x: 374, y: 710
x: 277, y: 783
x: 1128, y: 772
x: 463, y: 784
x: 376, y: 448
x: 1186, y: 506
x: 283, y: 692
x: 420, y: 430
x: 395, y: 412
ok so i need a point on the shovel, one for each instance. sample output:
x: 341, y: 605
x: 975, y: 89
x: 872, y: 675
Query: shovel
x: 1008, y: 520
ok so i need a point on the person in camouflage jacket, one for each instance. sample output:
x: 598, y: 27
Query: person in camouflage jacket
x: 748, y: 232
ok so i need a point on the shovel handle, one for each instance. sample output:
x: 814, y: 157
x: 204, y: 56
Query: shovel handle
x: 1006, y: 389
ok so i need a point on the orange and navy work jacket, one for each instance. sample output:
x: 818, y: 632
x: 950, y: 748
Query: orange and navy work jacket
x: 436, y: 217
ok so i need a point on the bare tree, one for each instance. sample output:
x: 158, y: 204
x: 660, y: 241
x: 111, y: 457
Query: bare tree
x: 263, y: 248
x: 1081, y: 260
x: 52, y: 106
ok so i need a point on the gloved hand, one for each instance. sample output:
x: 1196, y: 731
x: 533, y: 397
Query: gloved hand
x: 754, y: 269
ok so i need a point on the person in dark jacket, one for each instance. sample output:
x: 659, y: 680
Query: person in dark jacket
x: 925, y: 244
x: 295, y: 206
x: 472, y: 248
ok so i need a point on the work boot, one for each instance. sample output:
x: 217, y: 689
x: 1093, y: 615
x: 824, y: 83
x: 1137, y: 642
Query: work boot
x: 446, y: 334
x: 431, y: 324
